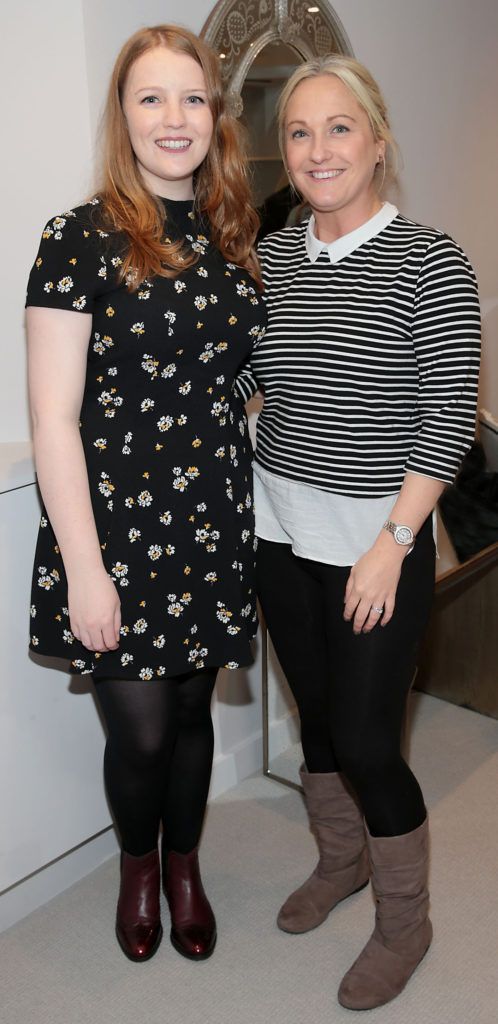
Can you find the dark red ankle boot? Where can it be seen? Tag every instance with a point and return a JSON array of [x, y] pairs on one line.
[[138, 922], [193, 925]]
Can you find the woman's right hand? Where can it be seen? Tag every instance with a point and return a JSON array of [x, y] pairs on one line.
[[94, 610]]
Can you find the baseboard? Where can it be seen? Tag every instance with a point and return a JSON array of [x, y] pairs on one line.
[[40, 887], [228, 770], [283, 733], [237, 764], [247, 757]]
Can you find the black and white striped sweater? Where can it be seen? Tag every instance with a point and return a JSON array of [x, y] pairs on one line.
[[369, 365]]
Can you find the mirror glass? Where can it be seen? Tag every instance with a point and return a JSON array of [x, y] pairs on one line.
[[265, 78]]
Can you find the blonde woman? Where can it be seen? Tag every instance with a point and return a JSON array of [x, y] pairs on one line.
[[369, 370], [142, 304]]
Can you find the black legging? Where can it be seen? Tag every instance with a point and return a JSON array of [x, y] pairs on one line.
[[350, 689], [158, 757]]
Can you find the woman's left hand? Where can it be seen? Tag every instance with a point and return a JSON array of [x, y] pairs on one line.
[[372, 583]]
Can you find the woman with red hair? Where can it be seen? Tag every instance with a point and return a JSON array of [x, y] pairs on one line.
[[143, 304]]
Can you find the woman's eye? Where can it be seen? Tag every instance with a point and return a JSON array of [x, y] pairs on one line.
[[299, 133], [195, 99], [150, 99], [340, 129]]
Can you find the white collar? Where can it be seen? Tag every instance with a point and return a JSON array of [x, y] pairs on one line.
[[345, 245]]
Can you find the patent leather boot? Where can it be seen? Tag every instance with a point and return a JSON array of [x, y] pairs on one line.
[[193, 925], [138, 922]]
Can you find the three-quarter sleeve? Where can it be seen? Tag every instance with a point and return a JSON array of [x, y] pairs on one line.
[[446, 339], [245, 384], [71, 269]]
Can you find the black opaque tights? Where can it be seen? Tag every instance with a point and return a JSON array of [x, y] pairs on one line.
[[350, 690], [158, 757]]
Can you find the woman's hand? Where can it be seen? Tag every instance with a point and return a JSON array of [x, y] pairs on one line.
[[371, 588], [94, 610], [373, 580]]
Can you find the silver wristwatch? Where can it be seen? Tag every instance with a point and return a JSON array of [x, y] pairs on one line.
[[402, 534]]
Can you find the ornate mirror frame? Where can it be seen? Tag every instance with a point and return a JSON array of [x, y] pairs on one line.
[[239, 29]]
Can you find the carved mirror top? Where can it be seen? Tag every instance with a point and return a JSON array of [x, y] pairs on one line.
[[239, 29]]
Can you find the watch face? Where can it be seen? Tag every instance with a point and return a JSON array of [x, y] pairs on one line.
[[403, 535]]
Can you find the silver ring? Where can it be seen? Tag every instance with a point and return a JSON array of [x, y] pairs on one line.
[[377, 610]]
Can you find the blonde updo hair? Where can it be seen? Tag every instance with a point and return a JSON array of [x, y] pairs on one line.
[[365, 90]]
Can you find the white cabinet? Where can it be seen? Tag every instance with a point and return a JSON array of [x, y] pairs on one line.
[[51, 740]]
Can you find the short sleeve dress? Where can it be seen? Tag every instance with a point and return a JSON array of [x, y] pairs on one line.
[[166, 447]]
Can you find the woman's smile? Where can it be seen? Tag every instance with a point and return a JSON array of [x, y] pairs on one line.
[[325, 175]]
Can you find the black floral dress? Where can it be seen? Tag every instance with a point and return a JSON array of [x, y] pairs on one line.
[[167, 451]]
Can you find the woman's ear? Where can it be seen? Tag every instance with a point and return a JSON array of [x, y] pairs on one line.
[[381, 155]]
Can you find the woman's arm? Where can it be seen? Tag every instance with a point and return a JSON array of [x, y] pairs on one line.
[[446, 336], [245, 383], [57, 351], [446, 343], [373, 580]]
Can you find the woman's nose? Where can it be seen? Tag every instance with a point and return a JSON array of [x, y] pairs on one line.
[[173, 114], [320, 148]]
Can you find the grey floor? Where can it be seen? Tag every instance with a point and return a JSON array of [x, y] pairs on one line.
[[62, 965]]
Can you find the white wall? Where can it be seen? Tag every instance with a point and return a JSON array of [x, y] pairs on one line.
[[437, 64], [45, 162]]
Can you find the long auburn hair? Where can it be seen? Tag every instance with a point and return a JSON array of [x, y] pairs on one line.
[[221, 184]]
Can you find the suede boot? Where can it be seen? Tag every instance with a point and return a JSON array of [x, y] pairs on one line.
[[193, 925], [138, 922], [403, 931], [342, 869]]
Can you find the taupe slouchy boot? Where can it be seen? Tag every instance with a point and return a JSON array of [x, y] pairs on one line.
[[342, 869], [403, 931]]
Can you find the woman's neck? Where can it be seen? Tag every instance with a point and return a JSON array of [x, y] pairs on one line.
[[333, 224]]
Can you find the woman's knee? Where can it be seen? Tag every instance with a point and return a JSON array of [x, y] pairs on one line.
[[367, 766], [143, 749], [194, 700]]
